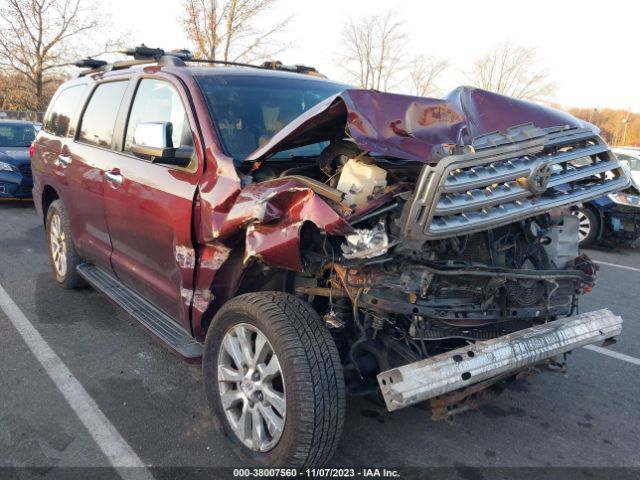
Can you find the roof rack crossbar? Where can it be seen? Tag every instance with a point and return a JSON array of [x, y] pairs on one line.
[[223, 62], [143, 55]]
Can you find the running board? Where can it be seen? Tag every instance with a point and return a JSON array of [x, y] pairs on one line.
[[463, 367], [155, 321]]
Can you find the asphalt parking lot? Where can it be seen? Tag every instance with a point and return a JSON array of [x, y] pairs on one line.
[[156, 403]]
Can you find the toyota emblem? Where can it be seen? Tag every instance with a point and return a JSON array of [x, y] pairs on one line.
[[539, 179]]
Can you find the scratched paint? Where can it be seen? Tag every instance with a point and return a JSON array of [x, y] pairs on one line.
[[185, 256], [186, 294], [218, 256], [202, 299]]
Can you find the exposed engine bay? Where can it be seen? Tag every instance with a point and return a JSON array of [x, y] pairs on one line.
[[389, 305], [437, 254]]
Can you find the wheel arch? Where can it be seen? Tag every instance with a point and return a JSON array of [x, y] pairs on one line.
[[237, 278], [600, 215], [49, 195]]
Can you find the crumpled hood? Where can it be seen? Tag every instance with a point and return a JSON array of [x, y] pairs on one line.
[[409, 127]]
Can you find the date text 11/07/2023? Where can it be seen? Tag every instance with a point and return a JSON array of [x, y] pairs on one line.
[[315, 473]]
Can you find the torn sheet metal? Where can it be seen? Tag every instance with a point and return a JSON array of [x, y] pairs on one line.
[[202, 299], [212, 258], [185, 256], [186, 294], [425, 379], [276, 241], [272, 214], [409, 127], [268, 217], [276, 199]]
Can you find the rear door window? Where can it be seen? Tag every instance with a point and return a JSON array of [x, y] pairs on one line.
[[99, 119], [158, 101], [61, 118]]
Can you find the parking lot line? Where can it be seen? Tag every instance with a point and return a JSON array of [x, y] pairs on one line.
[[611, 353], [120, 455], [624, 267]]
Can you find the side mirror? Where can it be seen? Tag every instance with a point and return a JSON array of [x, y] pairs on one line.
[[152, 141]]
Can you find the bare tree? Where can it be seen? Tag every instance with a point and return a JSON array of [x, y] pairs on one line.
[[511, 70], [374, 50], [226, 29], [15, 94], [424, 74], [34, 40]]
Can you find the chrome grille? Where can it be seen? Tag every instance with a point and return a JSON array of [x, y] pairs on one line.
[[491, 184]]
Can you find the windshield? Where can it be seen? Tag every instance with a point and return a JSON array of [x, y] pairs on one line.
[[633, 162], [17, 135], [248, 111]]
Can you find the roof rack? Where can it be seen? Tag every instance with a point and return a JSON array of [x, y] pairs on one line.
[[275, 65], [143, 55]]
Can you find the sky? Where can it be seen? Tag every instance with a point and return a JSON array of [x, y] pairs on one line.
[[587, 47]]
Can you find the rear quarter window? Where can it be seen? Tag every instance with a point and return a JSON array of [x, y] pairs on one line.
[[62, 114], [99, 118]]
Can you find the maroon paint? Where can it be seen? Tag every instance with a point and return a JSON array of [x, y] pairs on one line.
[[409, 127], [288, 205], [152, 217], [79, 185], [149, 218], [211, 258]]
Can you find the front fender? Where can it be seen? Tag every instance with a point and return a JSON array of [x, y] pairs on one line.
[[272, 214], [263, 221]]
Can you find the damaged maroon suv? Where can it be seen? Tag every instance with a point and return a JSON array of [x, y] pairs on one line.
[[307, 240]]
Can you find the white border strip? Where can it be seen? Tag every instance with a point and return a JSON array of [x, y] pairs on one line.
[[612, 354], [117, 450], [624, 267]]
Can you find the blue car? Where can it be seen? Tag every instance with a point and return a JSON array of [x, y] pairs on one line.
[[613, 217], [15, 164]]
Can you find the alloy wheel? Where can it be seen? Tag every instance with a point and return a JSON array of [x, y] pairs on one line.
[[251, 387], [58, 245], [584, 225]]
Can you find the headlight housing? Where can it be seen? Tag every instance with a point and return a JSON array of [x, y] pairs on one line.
[[7, 167], [621, 198]]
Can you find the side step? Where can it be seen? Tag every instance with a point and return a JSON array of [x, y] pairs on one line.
[[155, 321]]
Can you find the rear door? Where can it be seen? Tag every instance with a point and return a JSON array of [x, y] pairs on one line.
[[149, 206], [84, 162]]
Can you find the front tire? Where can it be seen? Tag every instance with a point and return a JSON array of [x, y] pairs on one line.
[[62, 252], [274, 381]]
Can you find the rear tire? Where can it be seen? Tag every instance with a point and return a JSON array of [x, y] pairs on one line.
[[309, 387], [62, 253], [588, 226]]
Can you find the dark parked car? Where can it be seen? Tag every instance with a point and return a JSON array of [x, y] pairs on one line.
[[16, 137], [616, 216], [306, 240]]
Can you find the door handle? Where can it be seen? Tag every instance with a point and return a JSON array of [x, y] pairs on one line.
[[65, 160], [114, 176]]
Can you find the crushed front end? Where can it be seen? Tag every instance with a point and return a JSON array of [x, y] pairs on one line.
[[435, 237], [477, 259]]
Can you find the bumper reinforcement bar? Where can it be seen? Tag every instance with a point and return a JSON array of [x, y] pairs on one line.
[[428, 378]]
